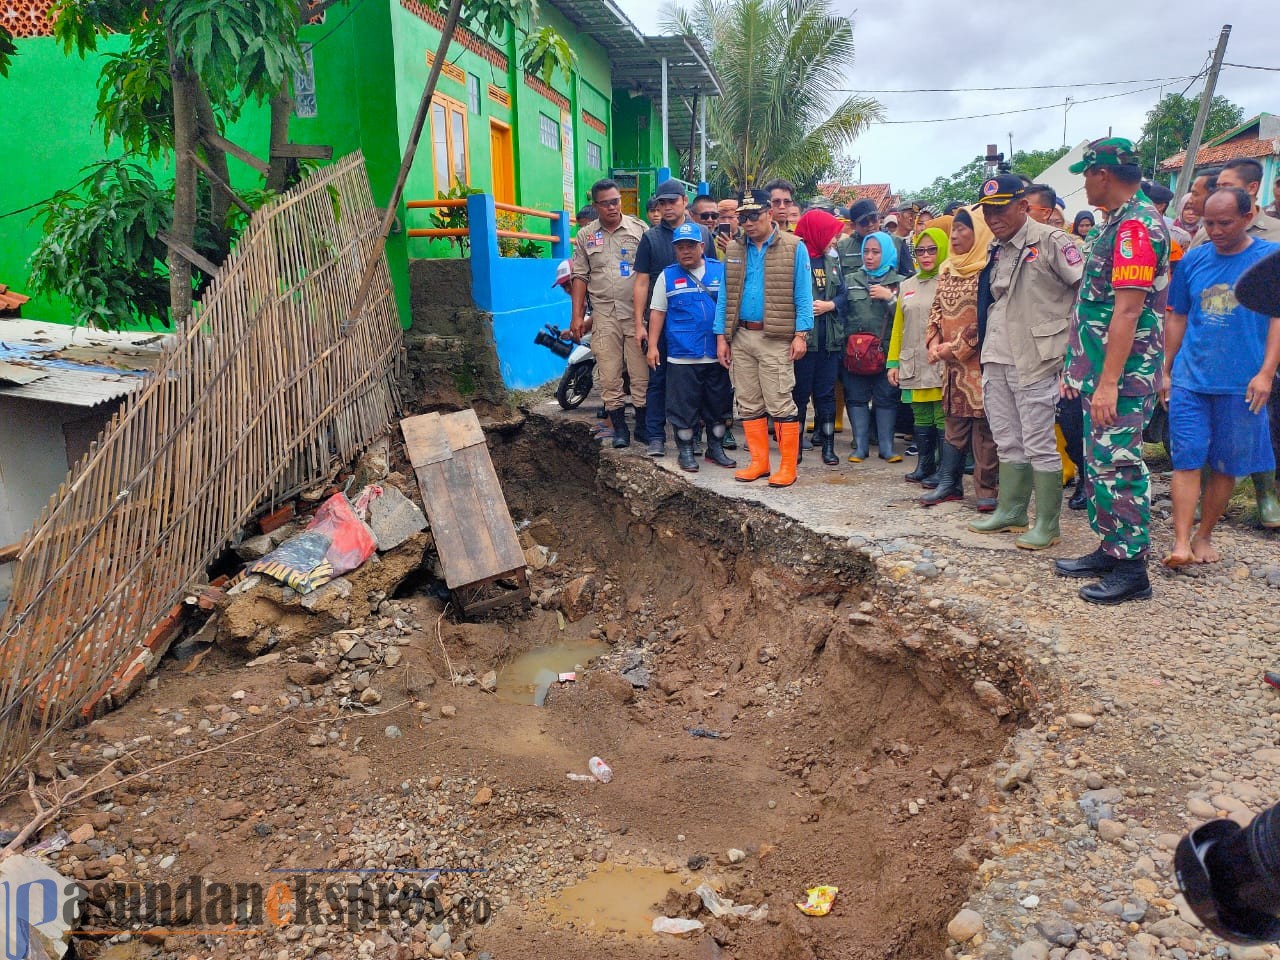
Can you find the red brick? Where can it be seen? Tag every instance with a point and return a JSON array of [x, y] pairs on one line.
[[277, 518]]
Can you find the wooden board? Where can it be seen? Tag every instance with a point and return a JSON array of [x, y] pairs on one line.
[[470, 522]]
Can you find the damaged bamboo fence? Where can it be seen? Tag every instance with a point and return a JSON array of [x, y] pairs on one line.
[[261, 395]]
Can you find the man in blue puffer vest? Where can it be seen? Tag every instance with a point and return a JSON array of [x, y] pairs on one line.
[[698, 387]]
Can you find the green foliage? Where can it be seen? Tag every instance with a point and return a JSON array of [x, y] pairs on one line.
[[491, 17], [964, 184], [240, 50], [545, 52], [8, 50], [100, 249], [777, 61], [454, 218], [1167, 129], [135, 94]]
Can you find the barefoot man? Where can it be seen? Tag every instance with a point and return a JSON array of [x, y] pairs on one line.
[[1220, 363]]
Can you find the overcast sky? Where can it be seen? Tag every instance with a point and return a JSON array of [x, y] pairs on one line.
[[906, 45]]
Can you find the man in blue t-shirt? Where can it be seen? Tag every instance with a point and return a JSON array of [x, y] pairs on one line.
[[1220, 362]]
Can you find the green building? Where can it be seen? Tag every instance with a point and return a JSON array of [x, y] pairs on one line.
[[631, 105]]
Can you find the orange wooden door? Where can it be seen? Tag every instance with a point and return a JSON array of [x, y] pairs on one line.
[[504, 181]]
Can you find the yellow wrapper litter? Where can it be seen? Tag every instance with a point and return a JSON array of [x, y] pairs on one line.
[[819, 902]]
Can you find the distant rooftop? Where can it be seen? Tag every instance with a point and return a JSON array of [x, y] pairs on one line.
[[57, 363]]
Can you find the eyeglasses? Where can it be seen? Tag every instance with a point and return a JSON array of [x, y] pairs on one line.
[[709, 216], [616, 201], [869, 219], [751, 216], [926, 251], [779, 202]]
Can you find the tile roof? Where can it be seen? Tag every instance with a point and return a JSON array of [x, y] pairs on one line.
[[1248, 147], [881, 194], [11, 299]]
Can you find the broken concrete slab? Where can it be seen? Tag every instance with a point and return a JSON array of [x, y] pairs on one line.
[[59, 902], [394, 518], [255, 548]]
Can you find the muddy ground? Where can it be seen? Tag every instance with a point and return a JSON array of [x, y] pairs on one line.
[[858, 752]]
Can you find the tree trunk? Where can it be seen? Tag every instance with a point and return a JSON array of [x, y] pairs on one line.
[[185, 95], [219, 201], [281, 167]]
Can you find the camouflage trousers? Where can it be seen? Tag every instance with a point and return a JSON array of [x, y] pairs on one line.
[[1119, 484]]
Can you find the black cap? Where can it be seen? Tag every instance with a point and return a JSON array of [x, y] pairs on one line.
[[1001, 189], [750, 200], [670, 190], [1157, 192], [862, 209], [1259, 288]]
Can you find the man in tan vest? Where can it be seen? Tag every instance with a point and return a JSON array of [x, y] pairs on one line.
[[761, 320]]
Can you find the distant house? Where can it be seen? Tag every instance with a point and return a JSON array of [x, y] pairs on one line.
[[1258, 139], [881, 194]]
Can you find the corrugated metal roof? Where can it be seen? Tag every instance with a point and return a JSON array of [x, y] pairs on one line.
[[79, 367]]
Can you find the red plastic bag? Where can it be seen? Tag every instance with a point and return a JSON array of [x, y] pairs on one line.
[[335, 542]]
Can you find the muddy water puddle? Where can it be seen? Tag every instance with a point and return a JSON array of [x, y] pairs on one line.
[[529, 677], [615, 898]]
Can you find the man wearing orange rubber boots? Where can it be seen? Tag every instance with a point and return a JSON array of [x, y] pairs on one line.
[[761, 320]]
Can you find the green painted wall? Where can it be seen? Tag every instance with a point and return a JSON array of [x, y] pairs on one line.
[[357, 103], [370, 68], [50, 147]]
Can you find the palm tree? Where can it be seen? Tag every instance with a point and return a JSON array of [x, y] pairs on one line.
[[780, 63]]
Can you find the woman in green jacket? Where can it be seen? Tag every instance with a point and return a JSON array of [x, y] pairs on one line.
[[873, 296]]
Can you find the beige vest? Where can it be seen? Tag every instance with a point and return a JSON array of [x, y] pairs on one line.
[[779, 286], [915, 372]]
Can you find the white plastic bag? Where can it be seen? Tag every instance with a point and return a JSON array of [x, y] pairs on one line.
[[676, 926]]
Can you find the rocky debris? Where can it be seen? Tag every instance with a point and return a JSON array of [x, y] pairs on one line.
[[255, 548], [577, 597], [991, 698], [259, 613], [394, 518], [965, 925]]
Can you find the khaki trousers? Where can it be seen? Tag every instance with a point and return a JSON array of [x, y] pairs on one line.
[[614, 344], [763, 376], [1022, 417]]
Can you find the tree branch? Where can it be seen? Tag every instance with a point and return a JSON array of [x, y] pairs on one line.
[[222, 185]]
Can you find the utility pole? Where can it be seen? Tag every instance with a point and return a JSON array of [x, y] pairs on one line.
[[1202, 115]]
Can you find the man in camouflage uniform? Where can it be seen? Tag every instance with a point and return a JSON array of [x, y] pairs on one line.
[[1113, 363]]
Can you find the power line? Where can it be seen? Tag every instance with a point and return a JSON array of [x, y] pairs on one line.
[[1250, 66], [1038, 86], [1004, 113]]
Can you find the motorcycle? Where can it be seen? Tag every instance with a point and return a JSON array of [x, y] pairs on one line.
[[575, 384]]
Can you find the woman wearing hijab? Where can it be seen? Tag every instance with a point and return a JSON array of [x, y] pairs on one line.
[[1082, 224], [816, 371], [908, 358], [873, 294], [1187, 218], [952, 341]]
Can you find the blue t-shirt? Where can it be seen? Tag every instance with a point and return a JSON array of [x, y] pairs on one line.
[[1223, 347]]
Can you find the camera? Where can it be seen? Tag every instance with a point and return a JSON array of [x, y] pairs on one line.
[[1230, 876], [553, 339]]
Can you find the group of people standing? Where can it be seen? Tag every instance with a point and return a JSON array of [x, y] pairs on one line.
[[1012, 337]]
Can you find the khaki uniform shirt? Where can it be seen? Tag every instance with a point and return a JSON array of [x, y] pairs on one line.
[[1034, 277], [606, 261]]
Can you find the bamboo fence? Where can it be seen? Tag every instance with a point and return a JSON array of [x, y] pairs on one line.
[[261, 395]]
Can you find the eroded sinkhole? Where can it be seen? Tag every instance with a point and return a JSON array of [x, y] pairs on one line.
[[848, 759], [852, 756]]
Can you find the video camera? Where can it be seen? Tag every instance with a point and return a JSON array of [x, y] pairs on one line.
[[1230, 876], [555, 340], [995, 161]]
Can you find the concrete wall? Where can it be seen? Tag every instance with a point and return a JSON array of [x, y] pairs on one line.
[[521, 296], [38, 444]]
